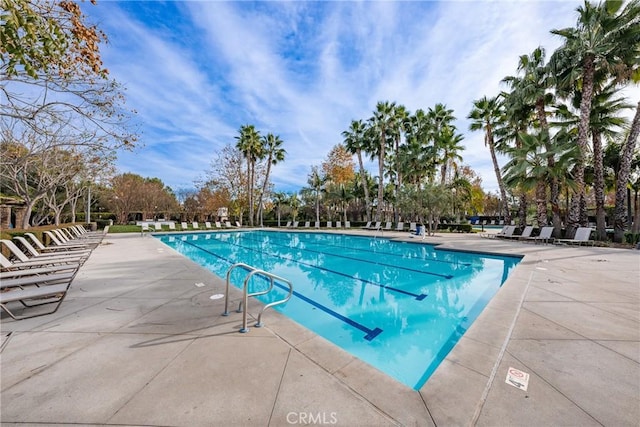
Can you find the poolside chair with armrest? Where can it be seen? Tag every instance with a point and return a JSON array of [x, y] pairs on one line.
[[295, 224], [40, 247], [387, 226], [347, 224], [368, 226], [376, 226], [581, 237], [400, 226]]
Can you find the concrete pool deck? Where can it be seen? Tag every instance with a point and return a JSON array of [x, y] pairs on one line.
[[137, 342]]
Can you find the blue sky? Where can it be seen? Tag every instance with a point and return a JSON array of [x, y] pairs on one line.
[[195, 71]]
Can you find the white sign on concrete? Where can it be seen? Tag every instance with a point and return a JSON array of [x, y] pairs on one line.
[[517, 378]]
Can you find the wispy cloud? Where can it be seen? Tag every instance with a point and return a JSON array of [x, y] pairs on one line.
[[197, 71]]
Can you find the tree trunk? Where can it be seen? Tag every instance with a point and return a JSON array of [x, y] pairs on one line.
[[620, 223], [554, 187], [522, 210], [598, 184], [365, 188], [380, 179], [541, 203], [577, 215], [496, 168]]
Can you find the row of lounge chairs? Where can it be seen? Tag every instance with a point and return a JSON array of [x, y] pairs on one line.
[[318, 224], [36, 275], [582, 235], [184, 226]]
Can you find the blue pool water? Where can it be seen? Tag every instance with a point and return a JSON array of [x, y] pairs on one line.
[[398, 306]]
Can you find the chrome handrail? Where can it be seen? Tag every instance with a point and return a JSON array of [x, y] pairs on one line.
[[245, 294]]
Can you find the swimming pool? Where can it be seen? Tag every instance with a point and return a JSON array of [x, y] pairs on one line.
[[399, 306]]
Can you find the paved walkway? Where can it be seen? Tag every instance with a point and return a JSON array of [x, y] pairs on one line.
[[136, 342]]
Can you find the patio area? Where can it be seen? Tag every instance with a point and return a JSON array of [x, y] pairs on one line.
[[139, 341]]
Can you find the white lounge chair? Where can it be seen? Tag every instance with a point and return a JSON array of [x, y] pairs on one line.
[[307, 224], [288, 224], [507, 232], [338, 224], [184, 226], [387, 226], [195, 224], [400, 226], [172, 226], [328, 224], [347, 224], [412, 226], [368, 226], [207, 225], [316, 224], [526, 233]]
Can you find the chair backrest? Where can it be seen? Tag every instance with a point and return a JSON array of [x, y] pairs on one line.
[[157, 226], [14, 250], [172, 226], [400, 226], [218, 225], [195, 224], [307, 224], [368, 225], [347, 224], [338, 224], [546, 232], [412, 226], [295, 224], [527, 231], [35, 240], [184, 225], [53, 238], [238, 224], [316, 224], [388, 225], [288, 224], [207, 224], [377, 225], [227, 224], [27, 245], [582, 234], [328, 224]]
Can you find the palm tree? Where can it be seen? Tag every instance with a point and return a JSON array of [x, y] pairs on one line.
[[316, 181], [448, 142], [279, 199], [623, 178], [487, 115], [534, 87], [355, 142], [604, 36], [382, 126], [272, 147], [251, 147]]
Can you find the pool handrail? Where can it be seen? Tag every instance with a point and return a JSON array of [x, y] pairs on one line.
[[245, 294]]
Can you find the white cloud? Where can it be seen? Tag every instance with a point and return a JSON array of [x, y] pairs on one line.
[[304, 70]]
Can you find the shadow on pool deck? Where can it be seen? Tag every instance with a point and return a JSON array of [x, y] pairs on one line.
[[136, 342]]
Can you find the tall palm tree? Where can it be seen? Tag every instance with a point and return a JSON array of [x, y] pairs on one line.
[[382, 126], [272, 147], [623, 178], [355, 142], [279, 199], [604, 35], [400, 118], [448, 142], [487, 115], [249, 143], [316, 181], [535, 86]]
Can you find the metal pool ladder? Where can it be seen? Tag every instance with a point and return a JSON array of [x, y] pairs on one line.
[[245, 293]]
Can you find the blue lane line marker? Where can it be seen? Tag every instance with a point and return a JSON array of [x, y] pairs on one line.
[[371, 333], [446, 276], [418, 297], [466, 264]]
